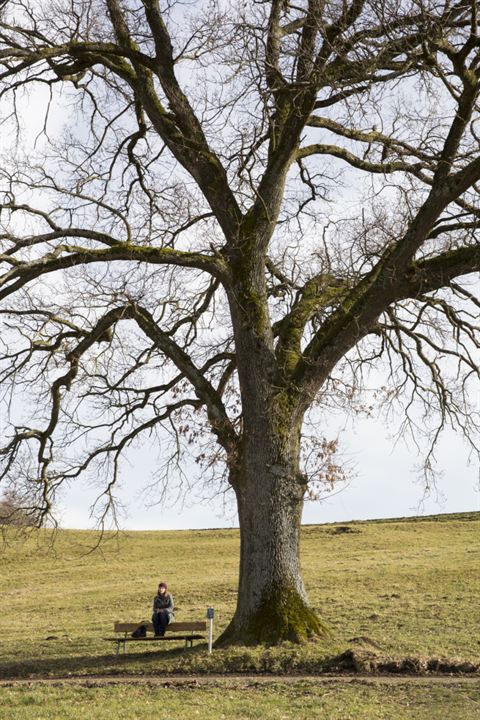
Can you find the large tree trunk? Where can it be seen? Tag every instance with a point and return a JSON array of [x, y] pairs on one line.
[[272, 604]]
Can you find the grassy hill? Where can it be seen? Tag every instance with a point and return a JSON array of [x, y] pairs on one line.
[[405, 589]]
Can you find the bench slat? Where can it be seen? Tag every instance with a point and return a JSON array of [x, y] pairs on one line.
[[153, 638], [129, 627]]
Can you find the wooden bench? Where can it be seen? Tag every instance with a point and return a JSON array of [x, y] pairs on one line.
[[187, 631]]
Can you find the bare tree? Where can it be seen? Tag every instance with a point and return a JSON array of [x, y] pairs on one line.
[[16, 510], [243, 211]]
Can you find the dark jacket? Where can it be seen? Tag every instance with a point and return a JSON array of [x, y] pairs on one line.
[[163, 602]]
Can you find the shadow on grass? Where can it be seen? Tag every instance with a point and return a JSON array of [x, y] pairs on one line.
[[187, 661], [108, 664]]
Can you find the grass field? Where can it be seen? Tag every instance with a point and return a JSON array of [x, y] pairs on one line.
[[396, 589], [245, 701]]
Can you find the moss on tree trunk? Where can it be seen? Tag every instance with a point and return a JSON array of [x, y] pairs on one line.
[[282, 616]]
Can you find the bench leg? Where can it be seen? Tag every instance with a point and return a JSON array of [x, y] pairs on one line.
[[117, 649]]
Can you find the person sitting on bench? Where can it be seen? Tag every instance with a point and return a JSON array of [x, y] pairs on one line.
[[162, 610]]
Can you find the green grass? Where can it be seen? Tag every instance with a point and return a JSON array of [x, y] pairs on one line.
[[297, 701], [410, 587], [406, 588]]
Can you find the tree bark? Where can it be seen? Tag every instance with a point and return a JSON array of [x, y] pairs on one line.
[[272, 604]]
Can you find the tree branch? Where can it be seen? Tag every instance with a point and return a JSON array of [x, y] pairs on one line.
[[219, 420], [65, 256]]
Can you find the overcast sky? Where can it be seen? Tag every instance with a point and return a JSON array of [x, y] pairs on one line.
[[383, 483]]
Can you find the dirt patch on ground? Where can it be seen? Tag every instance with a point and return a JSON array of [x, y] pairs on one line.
[[343, 530], [368, 662], [242, 681]]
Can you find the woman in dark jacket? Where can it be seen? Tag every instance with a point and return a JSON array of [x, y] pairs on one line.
[[162, 610]]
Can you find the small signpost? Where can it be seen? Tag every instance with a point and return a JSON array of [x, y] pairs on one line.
[[210, 614]]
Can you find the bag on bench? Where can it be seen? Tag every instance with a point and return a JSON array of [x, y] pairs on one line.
[[141, 631]]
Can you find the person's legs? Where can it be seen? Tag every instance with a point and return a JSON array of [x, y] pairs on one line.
[[163, 620], [156, 623]]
